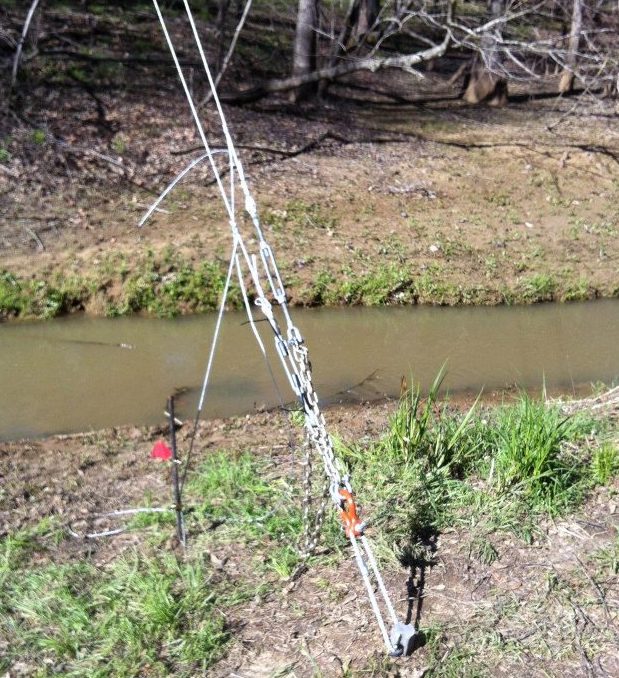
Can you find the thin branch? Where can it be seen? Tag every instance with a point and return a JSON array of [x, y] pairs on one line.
[[228, 56], [20, 44]]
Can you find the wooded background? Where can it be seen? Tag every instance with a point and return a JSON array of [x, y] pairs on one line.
[[264, 47]]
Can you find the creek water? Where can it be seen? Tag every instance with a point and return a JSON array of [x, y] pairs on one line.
[[82, 373]]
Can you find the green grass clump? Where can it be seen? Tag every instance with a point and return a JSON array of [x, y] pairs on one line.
[[605, 463], [536, 288], [240, 497], [149, 612], [163, 286], [495, 470], [528, 439], [42, 298], [144, 614], [378, 286], [167, 288]]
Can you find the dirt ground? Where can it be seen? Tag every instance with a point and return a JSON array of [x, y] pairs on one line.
[[541, 609], [479, 205]]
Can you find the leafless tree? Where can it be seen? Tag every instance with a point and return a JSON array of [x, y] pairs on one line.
[[566, 84], [517, 40], [304, 57], [22, 39]]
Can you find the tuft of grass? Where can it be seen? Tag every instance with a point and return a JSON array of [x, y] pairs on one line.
[[529, 437], [42, 298], [580, 290], [605, 463], [538, 287], [169, 287], [144, 614], [491, 471], [163, 286], [379, 286], [607, 559], [237, 495]]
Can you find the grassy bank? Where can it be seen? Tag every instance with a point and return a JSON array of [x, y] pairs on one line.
[[167, 285], [491, 481]]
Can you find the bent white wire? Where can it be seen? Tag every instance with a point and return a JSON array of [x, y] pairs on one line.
[[170, 186]]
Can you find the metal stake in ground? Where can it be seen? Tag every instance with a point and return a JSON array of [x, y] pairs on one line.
[[180, 527]]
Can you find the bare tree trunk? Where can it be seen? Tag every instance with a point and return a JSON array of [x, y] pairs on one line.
[[485, 84], [222, 13], [368, 12], [304, 55], [566, 84]]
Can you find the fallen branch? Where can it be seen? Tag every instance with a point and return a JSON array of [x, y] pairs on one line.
[[372, 64], [293, 153]]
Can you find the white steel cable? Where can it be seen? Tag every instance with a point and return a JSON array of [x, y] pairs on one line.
[[370, 591], [172, 184], [292, 350], [250, 204], [222, 308], [379, 579], [194, 111]]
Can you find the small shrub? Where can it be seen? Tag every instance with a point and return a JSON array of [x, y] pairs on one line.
[[539, 287]]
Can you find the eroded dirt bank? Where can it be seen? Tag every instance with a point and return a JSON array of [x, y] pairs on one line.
[[435, 203]]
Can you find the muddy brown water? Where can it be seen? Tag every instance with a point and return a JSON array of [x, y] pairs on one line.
[[83, 373]]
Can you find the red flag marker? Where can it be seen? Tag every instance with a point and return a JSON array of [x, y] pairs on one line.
[[161, 451]]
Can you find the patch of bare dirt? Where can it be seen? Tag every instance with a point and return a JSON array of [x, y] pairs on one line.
[[547, 608]]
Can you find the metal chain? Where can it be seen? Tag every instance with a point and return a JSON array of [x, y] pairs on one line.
[[292, 352], [312, 526]]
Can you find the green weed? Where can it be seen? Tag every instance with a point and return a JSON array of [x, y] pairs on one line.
[[40, 298], [38, 137], [538, 287], [529, 457], [163, 285], [385, 284], [605, 463], [236, 495], [490, 471], [607, 559], [173, 287], [578, 291], [379, 286]]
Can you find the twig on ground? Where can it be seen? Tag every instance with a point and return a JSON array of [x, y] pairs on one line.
[[601, 597]]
